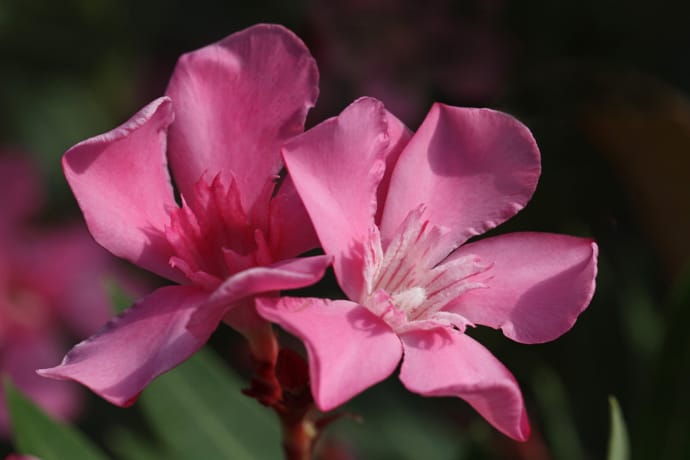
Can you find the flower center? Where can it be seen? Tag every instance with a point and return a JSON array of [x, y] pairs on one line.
[[409, 299], [405, 287], [212, 236]]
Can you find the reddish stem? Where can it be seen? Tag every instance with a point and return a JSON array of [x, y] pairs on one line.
[[283, 385], [298, 437]]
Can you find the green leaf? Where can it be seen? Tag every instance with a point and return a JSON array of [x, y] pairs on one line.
[[127, 444], [661, 430], [559, 426], [619, 444], [198, 411], [35, 433], [397, 425]]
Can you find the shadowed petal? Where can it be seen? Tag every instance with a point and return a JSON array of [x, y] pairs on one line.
[[336, 167], [287, 274], [135, 347], [399, 135], [349, 348], [445, 362], [291, 232], [236, 102], [123, 188], [537, 284], [471, 168]]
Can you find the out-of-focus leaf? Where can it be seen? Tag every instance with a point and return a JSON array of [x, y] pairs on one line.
[[198, 411], [128, 445], [661, 431], [619, 443], [119, 299], [35, 433], [62, 112], [392, 428], [643, 321], [559, 426]]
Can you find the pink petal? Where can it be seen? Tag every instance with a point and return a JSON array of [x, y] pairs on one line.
[[236, 102], [291, 231], [145, 341], [471, 168], [287, 274], [349, 348], [399, 136], [537, 284], [123, 188], [336, 167], [445, 362]]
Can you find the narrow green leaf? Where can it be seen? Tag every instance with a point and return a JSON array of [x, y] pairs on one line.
[[559, 426], [127, 444], [35, 433], [619, 444], [198, 411]]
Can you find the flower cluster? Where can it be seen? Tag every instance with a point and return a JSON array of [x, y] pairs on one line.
[[393, 211], [51, 289]]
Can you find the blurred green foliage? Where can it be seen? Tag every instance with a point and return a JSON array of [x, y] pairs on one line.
[[37, 434], [194, 411], [619, 442], [204, 395]]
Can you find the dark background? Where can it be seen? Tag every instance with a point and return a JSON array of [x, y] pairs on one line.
[[602, 84]]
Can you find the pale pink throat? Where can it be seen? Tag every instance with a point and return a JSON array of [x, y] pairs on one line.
[[402, 285]]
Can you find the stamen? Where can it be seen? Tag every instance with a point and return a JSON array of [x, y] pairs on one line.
[[403, 287], [409, 299]]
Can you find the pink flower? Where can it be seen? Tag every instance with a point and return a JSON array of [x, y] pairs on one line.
[[228, 109], [51, 288], [395, 210]]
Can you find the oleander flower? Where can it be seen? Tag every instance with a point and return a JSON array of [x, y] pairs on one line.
[[395, 210], [239, 229], [51, 289]]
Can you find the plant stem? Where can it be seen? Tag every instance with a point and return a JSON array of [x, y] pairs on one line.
[[281, 382], [298, 437]]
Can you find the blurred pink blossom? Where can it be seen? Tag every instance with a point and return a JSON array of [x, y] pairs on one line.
[[396, 209], [51, 289], [227, 110]]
